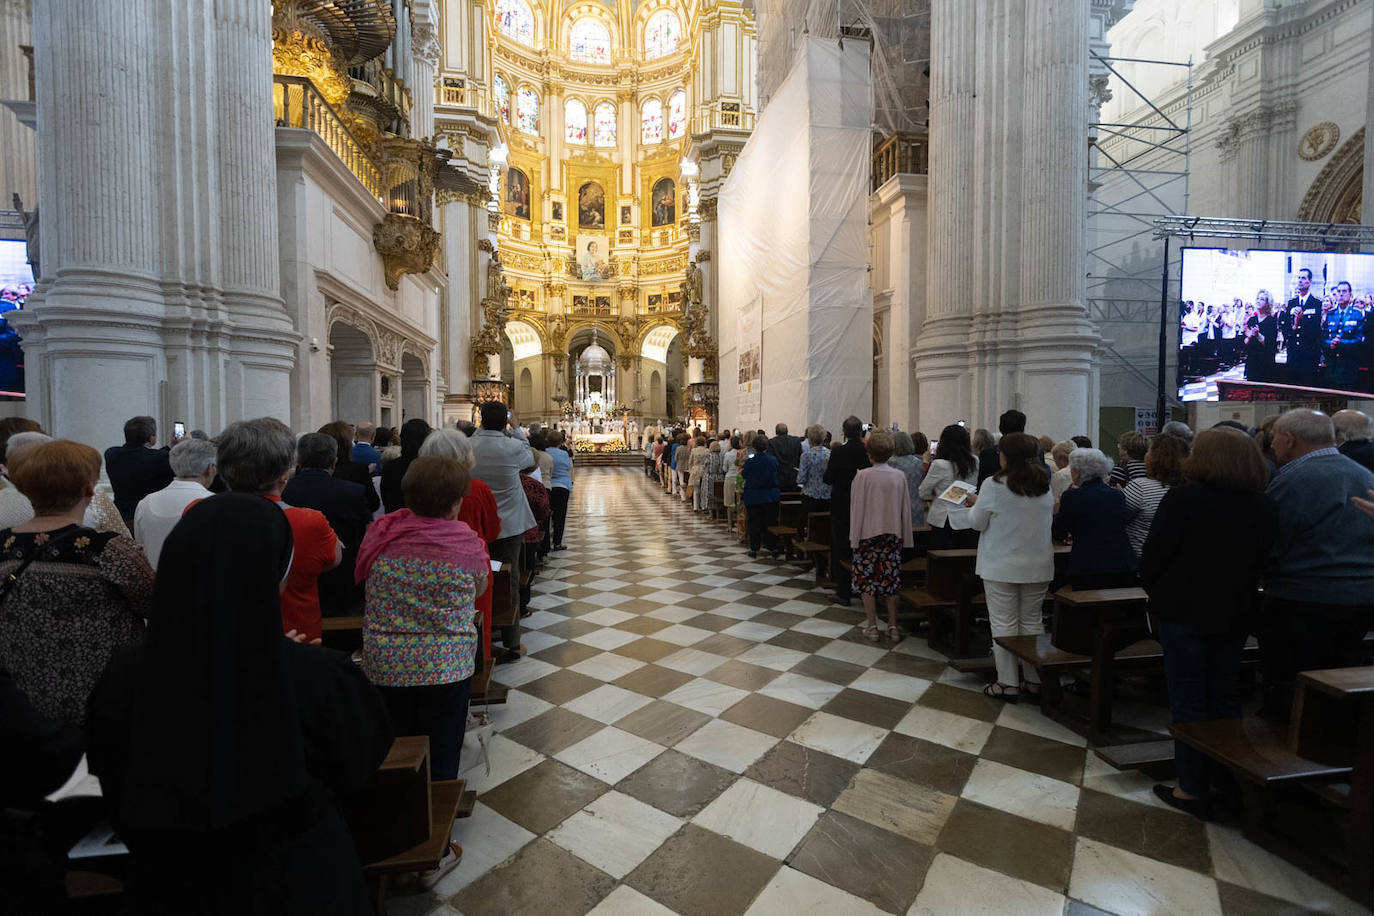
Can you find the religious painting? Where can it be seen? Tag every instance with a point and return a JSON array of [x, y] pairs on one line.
[[580, 304], [558, 211], [517, 193], [625, 214], [526, 297], [591, 206], [750, 377], [593, 257], [603, 305], [664, 202], [655, 301], [675, 300]]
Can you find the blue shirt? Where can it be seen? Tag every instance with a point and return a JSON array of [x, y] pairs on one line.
[[760, 475], [364, 453], [562, 468], [812, 470]]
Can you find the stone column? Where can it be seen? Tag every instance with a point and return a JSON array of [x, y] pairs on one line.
[[1367, 206], [460, 219], [904, 198], [941, 354], [18, 174], [425, 50]]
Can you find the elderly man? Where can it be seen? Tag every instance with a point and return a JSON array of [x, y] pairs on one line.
[[344, 505], [500, 459], [1318, 586], [1352, 436], [138, 467], [256, 456], [193, 463], [364, 452], [788, 450]]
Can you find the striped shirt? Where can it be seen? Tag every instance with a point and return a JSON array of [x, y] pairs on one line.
[[1143, 495]]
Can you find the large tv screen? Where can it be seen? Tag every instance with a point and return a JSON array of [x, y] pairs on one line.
[[1275, 325], [16, 283]]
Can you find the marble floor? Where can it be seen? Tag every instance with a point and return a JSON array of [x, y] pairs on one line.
[[694, 732]]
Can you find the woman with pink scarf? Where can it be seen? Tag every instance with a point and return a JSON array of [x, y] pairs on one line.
[[424, 569]]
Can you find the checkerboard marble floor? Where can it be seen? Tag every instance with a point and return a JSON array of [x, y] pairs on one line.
[[695, 732]]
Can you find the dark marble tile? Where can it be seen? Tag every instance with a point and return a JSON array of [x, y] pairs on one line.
[[542, 878], [884, 712], [742, 675], [1241, 901], [1039, 755], [764, 601], [831, 670], [713, 622], [647, 649], [1168, 836], [910, 665], [544, 796], [961, 702], [802, 642], [639, 605], [885, 869], [923, 762], [561, 686], [698, 603], [838, 613], [797, 770], [567, 654], [634, 591], [553, 730], [662, 722], [676, 783], [578, 592], [644, 626], [1013, 845], [570, 628], [697, 871], [725, 645], [766, 714], [653, 680], [778, 619], [1079, 908]]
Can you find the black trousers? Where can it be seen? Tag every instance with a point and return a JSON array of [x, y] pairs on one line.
[[558, 501], [759, 518], [1201, 671], [437, 710], [1306, 636], [511, 552]]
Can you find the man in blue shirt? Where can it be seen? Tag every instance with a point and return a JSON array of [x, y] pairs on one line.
[[1343, 330], [363, 451]]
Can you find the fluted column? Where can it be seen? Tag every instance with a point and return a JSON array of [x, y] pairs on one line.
[[460, 218], [424, 50], [1367, 206], [18, 174]]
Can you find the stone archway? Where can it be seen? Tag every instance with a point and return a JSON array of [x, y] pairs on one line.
[[353, 373], [1336, 194], [415, 394]]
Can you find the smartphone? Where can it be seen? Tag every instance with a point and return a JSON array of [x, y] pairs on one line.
[[178, 430]]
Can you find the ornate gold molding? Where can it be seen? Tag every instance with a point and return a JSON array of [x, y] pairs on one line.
[[703, 256], [706, 209], [406, 244]]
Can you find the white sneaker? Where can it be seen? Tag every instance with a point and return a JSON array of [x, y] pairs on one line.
[[447, 864]]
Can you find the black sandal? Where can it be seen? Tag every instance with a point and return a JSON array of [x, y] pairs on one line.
[[999, 691]]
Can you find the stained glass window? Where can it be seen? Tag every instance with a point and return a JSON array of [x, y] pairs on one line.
[[677, 115], [590, 42], [501, 92], [662, 34], [604, 129], [514, 18], [651, 121], [575, 121], [527, 110]]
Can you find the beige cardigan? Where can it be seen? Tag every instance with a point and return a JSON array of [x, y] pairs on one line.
[[879, 503]]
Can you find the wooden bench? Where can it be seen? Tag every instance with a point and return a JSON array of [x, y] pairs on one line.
[[814, 544], [788, 528]]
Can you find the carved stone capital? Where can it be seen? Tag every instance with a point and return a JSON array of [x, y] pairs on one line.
[[706, 208], [703, 255], [406, 244]]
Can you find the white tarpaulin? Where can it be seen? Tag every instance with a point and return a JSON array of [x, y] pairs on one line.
[[794, 234]]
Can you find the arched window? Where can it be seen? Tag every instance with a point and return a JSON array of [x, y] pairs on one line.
[[501, 92], [527, 110], [677, 115], [515, 19], [651, 121], [604, 129], [575, 121], [662, 34], [590, 42]]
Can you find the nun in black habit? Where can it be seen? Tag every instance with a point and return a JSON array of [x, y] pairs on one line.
[[221, 745]]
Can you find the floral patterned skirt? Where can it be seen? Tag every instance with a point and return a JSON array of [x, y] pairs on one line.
[[878, 565]]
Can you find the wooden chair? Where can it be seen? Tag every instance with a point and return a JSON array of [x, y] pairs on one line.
[[788, 527], [815, 543]]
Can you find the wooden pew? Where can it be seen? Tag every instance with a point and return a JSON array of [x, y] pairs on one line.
[[815, 542], [788, 527]]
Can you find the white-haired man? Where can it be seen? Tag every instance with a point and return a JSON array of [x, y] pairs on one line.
[[193, 463]]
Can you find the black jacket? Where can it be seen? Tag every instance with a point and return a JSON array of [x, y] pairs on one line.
[[347, 512], [1202, 560], [1096, 516], [845, 461], [357, 472], [989, 463], [135, 471], [1361, 451], [788, 451]]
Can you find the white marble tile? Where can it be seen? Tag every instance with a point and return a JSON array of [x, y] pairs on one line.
[[794, 893], [663, 582], [760, 817], [670, 596], [955, 886], [810, 692], [607, 584], [918, 647], [488, 839], [1238, 861], [852, 652], [606, 639], [606, 617], [726, 744], [800, 608], [548, 602], [549, 586], [974, 683], [738, 611], [723, 593], [537, 641], [1127, 884], [506, 758], [890, 684], [958, 732], [605, 599], [1028, 718], [540, 619], [607, 666], [674, 613], [706, 696], [522, 672], [691, 661], [682, 635], [626, 901], [841, 737], [1134, 785], [782, 591], [776, 657], [610, 755], [715, 581], [765, 578], [607, 703], [519, 707], [615, 833], [827, 628], [748, 629], [1023, 793]]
